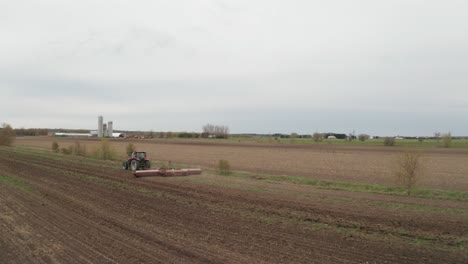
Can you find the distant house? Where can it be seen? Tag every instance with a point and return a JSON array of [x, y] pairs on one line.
[[331, 137]]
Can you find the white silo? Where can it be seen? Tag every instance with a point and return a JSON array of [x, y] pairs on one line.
[[104, 130], [100, 127], [110, 129]]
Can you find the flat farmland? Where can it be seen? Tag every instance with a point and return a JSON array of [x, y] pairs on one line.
[[445, 169], [57, 208]]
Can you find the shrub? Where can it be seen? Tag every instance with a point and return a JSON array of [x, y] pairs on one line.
[[317, 137], [67, 151], [78, 149], [363, 137], [389, 141], [130, 148], [55, 147], [104, 151], [447, 140], [409, 169], [7, 135], [293, 137], [223, 168]]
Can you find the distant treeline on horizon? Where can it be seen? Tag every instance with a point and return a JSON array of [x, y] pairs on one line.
[[151, 134]]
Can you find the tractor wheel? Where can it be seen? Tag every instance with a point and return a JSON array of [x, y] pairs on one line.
[[147, 164], [135, 165], [125, 165]]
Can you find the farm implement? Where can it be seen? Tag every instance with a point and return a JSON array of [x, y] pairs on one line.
[[167, 172], [140, 165]]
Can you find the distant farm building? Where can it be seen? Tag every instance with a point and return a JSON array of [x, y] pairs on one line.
[[73, 134], [60, 134], [118, 135]]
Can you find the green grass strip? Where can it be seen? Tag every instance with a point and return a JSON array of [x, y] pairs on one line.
[[357, 187], [14, 182]]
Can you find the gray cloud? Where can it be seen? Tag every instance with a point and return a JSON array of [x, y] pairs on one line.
[[396, 67]]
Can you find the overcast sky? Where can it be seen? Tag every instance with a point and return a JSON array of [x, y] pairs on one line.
[[263, 66]]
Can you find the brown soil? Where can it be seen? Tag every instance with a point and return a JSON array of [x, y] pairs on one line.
[[73, 210], [444, 168]]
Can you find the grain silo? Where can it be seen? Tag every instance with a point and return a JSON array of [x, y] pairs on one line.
[[104, 130], [110, 129], [100, 127]]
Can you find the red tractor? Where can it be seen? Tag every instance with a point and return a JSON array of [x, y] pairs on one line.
[[137, 161]]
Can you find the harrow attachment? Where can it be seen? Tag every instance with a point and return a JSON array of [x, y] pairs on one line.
[[167, 172]]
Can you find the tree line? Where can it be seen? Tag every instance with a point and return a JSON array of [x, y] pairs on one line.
[[215, 131], [31, 132]]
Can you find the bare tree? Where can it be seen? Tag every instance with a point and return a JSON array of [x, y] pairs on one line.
[[208, 130], [216, 131], [409, 169]]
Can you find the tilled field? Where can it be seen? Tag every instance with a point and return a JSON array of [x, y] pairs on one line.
[[65, 209], [445, 169]]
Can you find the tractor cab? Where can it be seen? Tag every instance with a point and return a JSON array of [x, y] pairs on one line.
[[137, 161], [138, 155]]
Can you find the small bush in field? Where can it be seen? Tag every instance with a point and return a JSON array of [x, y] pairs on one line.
[[7, 135], [363, 137], [447, 140], [389, 141], [317, 137], [409, 169], [55, 147], [67, 151], [223, 168], [78, 149], [105, 151]]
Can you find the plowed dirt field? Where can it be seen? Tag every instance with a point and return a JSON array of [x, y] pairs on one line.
[[445, 169], [66, 209]]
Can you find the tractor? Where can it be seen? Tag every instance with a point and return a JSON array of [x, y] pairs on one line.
[[140, 165], [137, 161]]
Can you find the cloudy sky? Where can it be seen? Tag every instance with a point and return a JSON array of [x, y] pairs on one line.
[[261, 66]]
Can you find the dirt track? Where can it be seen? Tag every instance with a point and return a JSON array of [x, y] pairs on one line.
[[76, 211]]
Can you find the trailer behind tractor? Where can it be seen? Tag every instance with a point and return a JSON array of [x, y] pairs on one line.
[[140, 165]]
